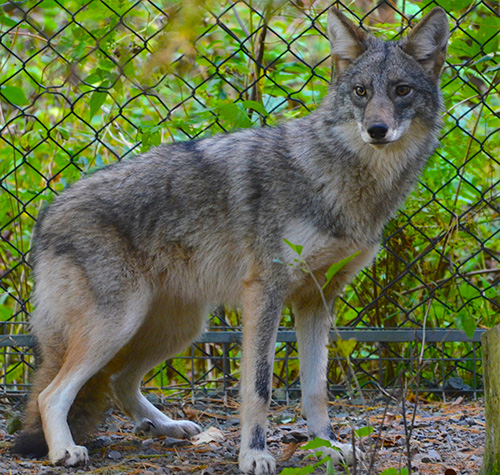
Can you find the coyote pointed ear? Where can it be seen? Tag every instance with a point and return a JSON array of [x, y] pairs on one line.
[[428, 41], [346, 40]]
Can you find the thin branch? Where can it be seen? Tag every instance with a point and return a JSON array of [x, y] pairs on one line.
[[23, 33], [447, 279]]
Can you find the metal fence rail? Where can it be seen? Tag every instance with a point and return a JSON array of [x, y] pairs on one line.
[[218, 373], [86, 83]]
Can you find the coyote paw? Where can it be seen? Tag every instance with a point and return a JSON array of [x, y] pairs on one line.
[[257, 462], [176, 429], [70, 456]]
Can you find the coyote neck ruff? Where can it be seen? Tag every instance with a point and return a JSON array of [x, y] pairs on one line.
[[128, 260]]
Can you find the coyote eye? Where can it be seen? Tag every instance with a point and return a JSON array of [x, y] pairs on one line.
[[360, 91], [403, 90]]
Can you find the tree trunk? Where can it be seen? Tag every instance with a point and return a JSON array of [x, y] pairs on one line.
[[491, 370]]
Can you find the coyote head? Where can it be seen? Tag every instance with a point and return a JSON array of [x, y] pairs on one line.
[[386, 86]]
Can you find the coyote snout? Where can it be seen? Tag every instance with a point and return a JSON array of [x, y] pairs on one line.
[[382, 132], [386, 119]]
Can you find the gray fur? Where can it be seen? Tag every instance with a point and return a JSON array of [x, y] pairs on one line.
[[128, 260]]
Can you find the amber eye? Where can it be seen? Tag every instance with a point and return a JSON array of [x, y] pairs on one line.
[[360, 91], [403, 90]]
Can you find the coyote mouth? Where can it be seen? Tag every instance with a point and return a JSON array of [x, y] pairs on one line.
[[379, 144]]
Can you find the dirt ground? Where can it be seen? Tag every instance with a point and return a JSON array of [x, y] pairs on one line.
[[446, 438]]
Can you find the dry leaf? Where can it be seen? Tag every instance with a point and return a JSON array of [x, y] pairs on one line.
[[456, 402], [212, 434], [288, 451], [388, 418], [190, 413]]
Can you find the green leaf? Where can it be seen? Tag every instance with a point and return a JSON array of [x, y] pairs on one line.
[[236, 114], [96, 101], [364, 431], [492, 68], [453, 5], [298, 471], [486, 57], [345, 347], [395, 471], [14, 95], [296, 247], [465, 322], [5, 21], [150, 137], [338, 266], [316, 444], [256, 106], [330, 469]]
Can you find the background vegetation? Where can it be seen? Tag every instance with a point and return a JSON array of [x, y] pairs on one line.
[[86, 83]]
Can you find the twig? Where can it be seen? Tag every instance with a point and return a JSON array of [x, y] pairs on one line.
[[407, 432], [23, 33], [441, 281], [421, 357], [238, 19]]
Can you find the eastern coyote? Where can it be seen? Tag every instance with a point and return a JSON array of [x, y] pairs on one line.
[[128, 261]]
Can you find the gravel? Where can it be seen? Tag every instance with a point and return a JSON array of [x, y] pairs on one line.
[[445, 438]]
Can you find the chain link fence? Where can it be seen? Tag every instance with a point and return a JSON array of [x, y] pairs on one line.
[[86, 83]]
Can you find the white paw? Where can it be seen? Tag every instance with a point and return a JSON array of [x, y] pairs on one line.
[[257, 462], [70, 456], [176, 429], [343, 453]]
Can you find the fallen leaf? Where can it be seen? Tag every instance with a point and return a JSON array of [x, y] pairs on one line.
[[388, 419], [212, 434], [288, 451], [190, 413], [456, 402]]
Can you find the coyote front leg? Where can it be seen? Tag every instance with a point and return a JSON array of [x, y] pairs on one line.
[[262, 307], [313, 325]]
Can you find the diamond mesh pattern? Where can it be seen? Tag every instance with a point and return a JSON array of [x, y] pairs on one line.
[[86, 83]]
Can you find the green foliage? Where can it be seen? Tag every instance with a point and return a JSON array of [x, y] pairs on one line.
[[395, 471], [338, 266], [295, 247], [364, 431], [314, 444]]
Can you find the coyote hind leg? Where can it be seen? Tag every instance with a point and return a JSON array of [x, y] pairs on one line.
[[149, 420], [90, 347], [168, 329]]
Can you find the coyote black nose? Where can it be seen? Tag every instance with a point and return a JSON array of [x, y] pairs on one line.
[[378, 131]]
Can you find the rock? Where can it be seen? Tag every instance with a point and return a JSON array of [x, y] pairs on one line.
[[171, 442], [147, 443], [115, 455], [14, 422], [432, 456], [294, 436]]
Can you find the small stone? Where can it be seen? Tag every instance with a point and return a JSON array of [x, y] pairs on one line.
[[147, 443], [114, 455], [151, 451], [294, 436], [171, 442], [432, 456]]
